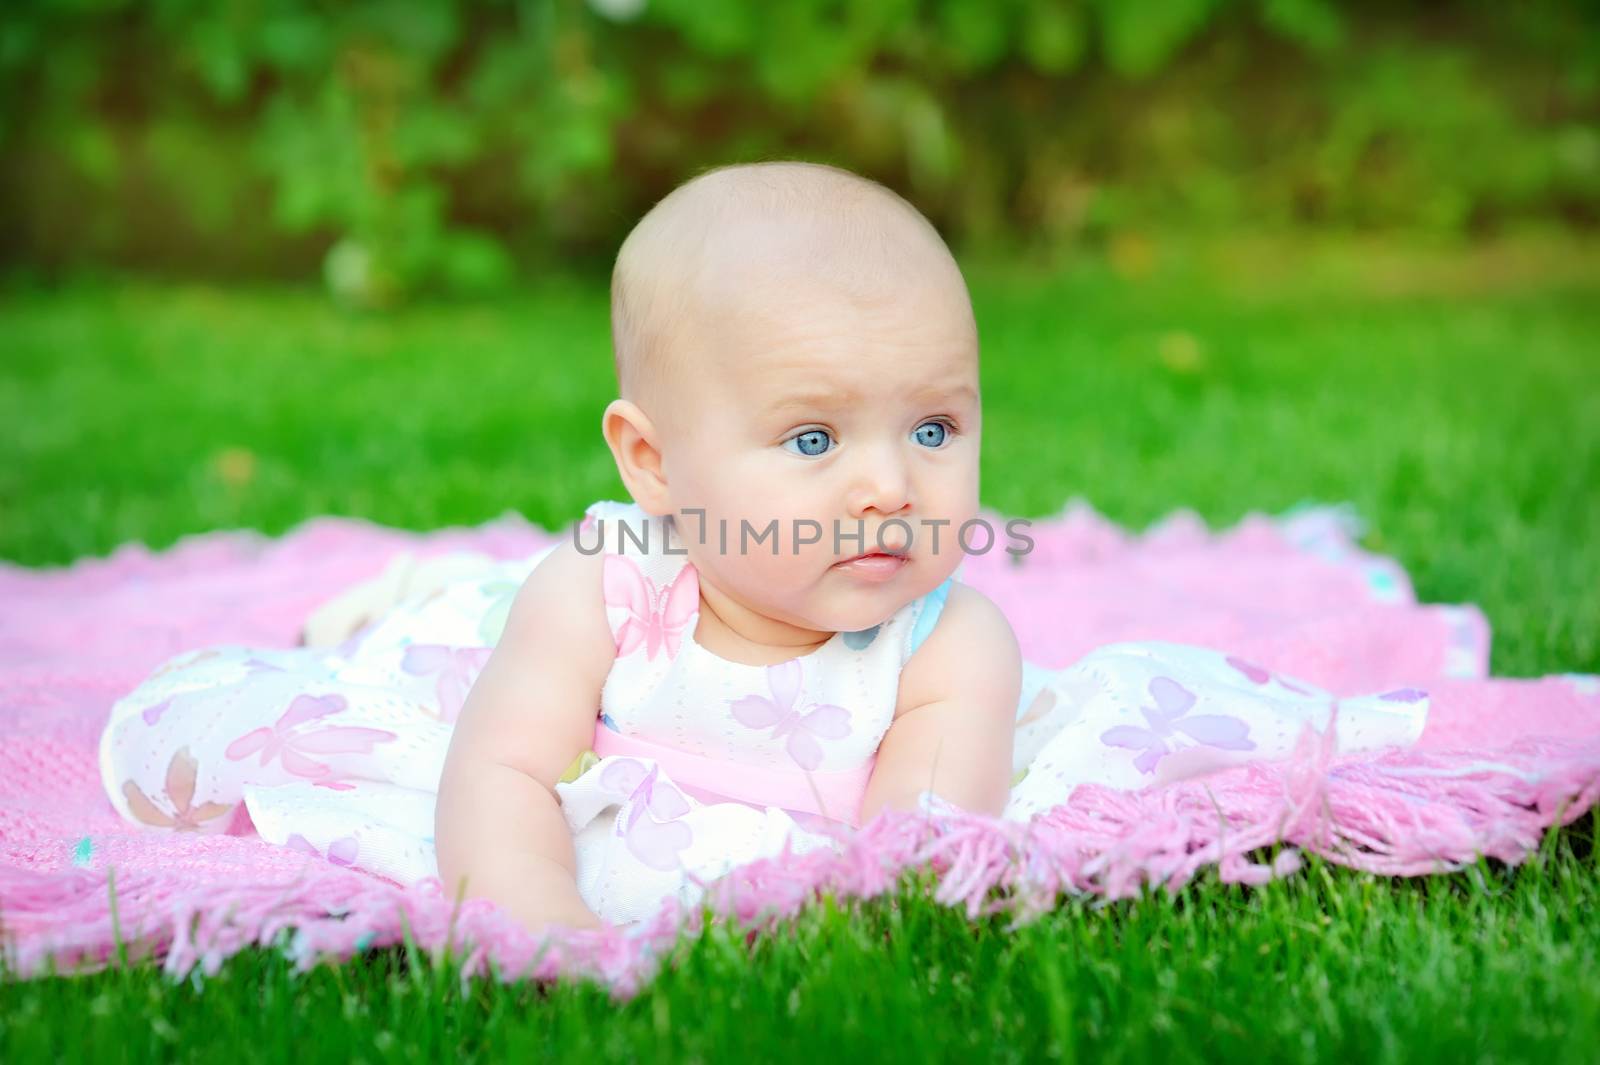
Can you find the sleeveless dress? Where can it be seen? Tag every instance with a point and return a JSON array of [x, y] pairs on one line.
[[714, 762], [698, 764]]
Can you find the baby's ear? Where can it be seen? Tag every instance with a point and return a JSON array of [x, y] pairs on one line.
[[634, 442]]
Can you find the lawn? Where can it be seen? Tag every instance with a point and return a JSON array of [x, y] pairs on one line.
[[1452, 395]]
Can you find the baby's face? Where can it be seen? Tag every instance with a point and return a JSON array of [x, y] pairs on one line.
[[809, 404]]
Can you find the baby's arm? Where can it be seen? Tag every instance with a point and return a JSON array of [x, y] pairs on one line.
[[529, 715], [956, 715]]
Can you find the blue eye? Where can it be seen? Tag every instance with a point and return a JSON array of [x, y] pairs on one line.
[[812, 442], [932, 433]]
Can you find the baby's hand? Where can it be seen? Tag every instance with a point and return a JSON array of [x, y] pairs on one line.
[[550, 901], [956, 715]]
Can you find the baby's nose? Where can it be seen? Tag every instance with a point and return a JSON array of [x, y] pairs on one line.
[[883, 486], [885, 505]]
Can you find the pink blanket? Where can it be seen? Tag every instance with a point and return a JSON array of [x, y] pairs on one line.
[[1499, 762]]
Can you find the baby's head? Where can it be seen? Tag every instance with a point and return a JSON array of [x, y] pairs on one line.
[[794, 342]]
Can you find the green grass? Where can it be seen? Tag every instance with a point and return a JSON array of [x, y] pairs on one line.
[[1453, 395], [1330, 966]]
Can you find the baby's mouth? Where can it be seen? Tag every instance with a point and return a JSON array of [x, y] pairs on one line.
[[874, 565], [875, 553]]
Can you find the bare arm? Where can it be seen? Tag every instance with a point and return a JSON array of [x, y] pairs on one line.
[[956, 716], [498, 825]]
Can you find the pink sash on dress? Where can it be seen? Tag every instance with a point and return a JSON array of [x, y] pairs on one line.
[[834, 795]]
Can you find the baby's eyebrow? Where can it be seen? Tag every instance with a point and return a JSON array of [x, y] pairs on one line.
[[831, 399], [960, 391], [835, 398]]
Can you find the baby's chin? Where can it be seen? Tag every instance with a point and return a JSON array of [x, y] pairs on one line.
[[873, 609]]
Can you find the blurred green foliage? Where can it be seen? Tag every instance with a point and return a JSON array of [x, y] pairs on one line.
[[398, 144]]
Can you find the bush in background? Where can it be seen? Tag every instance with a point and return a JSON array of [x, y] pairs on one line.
[[396, 146]]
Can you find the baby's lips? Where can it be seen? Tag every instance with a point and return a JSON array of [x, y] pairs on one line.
[[865, 554]]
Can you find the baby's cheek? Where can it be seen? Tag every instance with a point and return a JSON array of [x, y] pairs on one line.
[[782, 571]]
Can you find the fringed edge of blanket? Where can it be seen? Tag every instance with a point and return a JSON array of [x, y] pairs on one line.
[[1400, 813]]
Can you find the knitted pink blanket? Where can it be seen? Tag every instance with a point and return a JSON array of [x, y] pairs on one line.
[[1499, 762]]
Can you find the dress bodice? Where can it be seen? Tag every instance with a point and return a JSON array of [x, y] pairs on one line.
[[820, 715]]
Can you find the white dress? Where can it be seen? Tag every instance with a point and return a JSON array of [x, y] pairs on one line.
[[704, 763], [700, 764]]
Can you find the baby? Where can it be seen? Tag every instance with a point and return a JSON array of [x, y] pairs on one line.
[[767, 645], [794, 345]]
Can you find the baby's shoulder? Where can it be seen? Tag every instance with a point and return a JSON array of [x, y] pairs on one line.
[[562, 602], [970, 647], [962, 615]]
